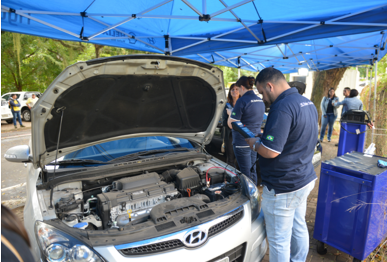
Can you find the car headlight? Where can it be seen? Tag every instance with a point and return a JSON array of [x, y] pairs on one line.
[[251, 191], [57, 246]]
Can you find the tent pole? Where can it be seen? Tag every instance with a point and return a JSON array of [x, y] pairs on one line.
[[239, 73], [375, 87], [370, 91]]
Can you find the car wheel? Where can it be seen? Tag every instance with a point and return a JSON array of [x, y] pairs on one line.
[[9, 121], [26, 115]]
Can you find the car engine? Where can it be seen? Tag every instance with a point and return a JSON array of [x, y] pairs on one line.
[[132, 198]]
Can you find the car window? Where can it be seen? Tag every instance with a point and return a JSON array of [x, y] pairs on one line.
[[7, 97], [111, 150], [28, 95]]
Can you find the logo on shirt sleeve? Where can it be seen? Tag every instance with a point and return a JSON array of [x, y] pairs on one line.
[[270, 138], [233, 113]]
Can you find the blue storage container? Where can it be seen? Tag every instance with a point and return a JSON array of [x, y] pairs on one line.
[[352, 138], [351, 210]]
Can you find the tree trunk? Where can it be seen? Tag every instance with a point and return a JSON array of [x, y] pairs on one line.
[[97, 50], [322, 82]]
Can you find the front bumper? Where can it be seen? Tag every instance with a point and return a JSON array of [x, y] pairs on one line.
[[243, 238]]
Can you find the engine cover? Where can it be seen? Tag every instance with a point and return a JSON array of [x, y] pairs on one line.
[[134, 196]]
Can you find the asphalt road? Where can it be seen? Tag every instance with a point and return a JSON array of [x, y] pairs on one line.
[[13, 174]]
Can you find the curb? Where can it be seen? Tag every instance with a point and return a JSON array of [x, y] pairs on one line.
[[13, 187]]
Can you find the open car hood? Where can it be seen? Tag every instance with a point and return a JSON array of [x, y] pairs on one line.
[[126, 96]]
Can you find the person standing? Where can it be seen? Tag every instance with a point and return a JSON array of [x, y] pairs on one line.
[[233, 96], [351, 102], [15, 108], [346, 92], [286, 150], [329, 114], [249, 110], [31, 101]]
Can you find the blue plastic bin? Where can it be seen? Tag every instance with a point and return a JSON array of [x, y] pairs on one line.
[[351, 210], [349, 141]]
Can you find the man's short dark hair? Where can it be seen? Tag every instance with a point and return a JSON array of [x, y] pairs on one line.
[[353, 93], [347, 88], [269, 74]]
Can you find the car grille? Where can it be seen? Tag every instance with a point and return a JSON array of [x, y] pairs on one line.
[[225, 224], [234, 255], [152, 248], [176, 243]]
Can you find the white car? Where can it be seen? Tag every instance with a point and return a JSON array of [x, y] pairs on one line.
[[117, 170], [6, 113], [22, 97]]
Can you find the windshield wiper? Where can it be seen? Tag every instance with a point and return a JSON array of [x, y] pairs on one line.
[[77, 162], [134, 156]]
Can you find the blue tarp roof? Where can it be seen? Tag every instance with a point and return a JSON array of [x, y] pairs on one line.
[[316, 55], [191, 27]]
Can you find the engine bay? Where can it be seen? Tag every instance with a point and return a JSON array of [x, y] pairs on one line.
[[130, 199]]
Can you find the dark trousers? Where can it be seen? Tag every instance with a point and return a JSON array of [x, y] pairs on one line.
[[229, 151], [246, 158]]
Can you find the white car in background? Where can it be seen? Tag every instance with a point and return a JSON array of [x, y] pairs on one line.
[[132, 181], [22, 97], [6, 113]]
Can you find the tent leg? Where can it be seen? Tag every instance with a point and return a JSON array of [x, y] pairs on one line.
[[369, 95], [239, 73], [375, 87]]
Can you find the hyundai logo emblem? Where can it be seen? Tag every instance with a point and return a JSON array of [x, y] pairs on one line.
[[195, 238]]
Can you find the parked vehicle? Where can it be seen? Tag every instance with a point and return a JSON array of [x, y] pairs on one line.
[[6, 113], [117, 170], [22, 97]]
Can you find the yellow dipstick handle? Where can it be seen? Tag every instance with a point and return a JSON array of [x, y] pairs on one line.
[[129, 213]]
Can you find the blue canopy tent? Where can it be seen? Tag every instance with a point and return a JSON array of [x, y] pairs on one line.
[[315, 55], [318, 34], [186, 27]]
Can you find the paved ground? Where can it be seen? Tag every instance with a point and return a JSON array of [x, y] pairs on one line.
[[13, 174], [10, 127]]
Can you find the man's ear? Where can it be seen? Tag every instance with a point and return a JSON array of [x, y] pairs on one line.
[[271, 87]]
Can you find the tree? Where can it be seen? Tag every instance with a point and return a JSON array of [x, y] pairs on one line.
[[322, 82], [31, 63]]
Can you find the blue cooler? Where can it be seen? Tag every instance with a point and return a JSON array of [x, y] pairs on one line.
[[352, 205]]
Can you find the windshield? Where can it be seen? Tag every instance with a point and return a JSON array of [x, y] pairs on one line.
[[114, 149]]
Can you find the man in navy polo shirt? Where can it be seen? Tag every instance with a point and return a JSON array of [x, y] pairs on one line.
[[286, 150]]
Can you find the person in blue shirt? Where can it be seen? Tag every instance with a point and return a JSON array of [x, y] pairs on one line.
[[286, 150], [249, 110], [351, 102], [328, 113]]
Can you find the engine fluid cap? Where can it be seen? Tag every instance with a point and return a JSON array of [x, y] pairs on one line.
[[81, 225]]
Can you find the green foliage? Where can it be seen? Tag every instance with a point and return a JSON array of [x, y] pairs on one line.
[[230, 74], [31, 63]]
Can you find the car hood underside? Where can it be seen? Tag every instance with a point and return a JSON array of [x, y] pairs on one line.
[[107, 99]]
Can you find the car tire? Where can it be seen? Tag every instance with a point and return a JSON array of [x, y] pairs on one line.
[[26, 115], [9, 121]]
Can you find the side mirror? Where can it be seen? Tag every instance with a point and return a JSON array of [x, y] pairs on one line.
[[20, 154]]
